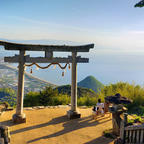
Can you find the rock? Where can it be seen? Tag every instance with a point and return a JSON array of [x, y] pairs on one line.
[[2, 141], [40, 107], [35, 107], [47, 106], [9, 109], [5, 135], [51, 107], [62, 106], [83, 107], [28, 108]]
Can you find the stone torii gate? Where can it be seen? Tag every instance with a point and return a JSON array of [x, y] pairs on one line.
[[22, 58]]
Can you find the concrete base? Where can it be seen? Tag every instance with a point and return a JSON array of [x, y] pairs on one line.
[[19, 118], [73, 114]]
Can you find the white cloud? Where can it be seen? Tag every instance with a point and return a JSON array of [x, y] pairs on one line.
[[136, 32]]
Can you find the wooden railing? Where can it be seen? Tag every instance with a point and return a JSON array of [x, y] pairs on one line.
[[133, 134]]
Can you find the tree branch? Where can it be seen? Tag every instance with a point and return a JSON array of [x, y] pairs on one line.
[[140, 4]]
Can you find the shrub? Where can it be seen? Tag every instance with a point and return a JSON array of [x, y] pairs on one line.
[[87, 101], [131, 91], [8, 95], [32, 99], [48, 96]]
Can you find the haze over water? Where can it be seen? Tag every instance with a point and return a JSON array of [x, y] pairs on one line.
[[107, 67]]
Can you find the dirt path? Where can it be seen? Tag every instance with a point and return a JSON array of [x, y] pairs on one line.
[[51, 126]]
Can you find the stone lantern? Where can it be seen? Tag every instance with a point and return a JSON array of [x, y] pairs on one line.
[[117, 109]]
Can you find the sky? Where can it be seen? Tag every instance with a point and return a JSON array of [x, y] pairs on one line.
[[114, 26], [111, 24]]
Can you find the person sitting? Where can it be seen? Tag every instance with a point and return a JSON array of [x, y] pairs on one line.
[[98, 109]]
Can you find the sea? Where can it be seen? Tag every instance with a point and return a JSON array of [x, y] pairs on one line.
[[107, 67]]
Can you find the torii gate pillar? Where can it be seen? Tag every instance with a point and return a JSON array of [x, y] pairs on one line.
[[73, 113], [19, 116]]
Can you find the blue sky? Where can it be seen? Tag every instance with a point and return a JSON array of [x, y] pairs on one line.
[[115, 26], [111, 24]]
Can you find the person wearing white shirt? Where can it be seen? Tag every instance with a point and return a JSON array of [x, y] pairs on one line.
[[100, 107]]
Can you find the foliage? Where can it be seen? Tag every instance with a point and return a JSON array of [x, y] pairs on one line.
[[32, 99], [140, 4], [135, 118], [91, 82], [131, 91], [109, 134], [8, 95], [61, 99], [48, 96], [87, 101], [6, 104], [81, 92]]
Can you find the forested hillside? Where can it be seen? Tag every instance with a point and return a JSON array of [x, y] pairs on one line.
[[91, 82], [81, 92]]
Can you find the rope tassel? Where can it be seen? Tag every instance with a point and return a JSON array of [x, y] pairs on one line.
[[31, 71], [54, 67], [69, 66], [62, 74]]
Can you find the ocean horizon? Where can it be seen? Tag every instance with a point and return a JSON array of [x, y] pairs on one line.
[[107, 67]]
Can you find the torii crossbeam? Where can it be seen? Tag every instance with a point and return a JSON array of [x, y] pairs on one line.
[[22, 58]]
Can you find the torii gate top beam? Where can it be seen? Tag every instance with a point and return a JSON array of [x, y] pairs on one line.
[[38, 47]]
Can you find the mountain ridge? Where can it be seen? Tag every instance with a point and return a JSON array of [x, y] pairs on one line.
[[9, 78], [66, 89], [91, 82]]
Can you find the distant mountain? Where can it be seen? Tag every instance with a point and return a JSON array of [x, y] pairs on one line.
[[91, 83], [9, 79], [66, 89]]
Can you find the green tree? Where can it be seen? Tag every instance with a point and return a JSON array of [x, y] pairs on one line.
[[47, 96], [32, 99], [140, 4], [8, 95]]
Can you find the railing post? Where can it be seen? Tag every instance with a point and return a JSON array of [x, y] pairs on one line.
[[122, 127]]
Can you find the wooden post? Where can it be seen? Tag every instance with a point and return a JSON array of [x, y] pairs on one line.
[[122, 127], [19, 117], [73, 113]]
